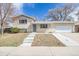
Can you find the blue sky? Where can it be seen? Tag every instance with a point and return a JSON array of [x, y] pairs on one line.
[[38, 10]]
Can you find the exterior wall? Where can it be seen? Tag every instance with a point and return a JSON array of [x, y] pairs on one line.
[[30, 28], [26, 27], [16, 23], [41, 30], [52, 26]]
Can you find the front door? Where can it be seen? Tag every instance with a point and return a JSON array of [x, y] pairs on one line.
[[34, 27], [78, 30]]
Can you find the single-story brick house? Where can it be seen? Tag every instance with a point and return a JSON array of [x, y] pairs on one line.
[[30, 24]]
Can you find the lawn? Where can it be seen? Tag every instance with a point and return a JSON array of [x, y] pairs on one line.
[[12, 39], [46, 40]]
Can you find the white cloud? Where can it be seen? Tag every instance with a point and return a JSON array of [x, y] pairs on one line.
[[18, 8]]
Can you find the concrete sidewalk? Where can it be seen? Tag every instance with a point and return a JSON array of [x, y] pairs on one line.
[[39, 51]]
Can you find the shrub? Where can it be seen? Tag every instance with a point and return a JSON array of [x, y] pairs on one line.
[[7, 30], [14, 30], [50, 32]]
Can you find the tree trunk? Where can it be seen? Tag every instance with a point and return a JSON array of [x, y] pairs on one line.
[[2, 31]]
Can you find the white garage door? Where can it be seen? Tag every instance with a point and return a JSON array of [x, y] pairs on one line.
[[63, 29]]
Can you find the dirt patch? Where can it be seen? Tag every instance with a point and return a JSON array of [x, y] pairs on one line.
[[46, 40]]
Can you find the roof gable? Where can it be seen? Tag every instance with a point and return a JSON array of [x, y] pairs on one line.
[[15, 17]]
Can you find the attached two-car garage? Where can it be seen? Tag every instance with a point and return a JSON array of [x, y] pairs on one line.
[[63, 29], [63, 26]]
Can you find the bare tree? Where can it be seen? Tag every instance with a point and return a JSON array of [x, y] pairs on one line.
[[61, 13], [5, 12], [77, 14]]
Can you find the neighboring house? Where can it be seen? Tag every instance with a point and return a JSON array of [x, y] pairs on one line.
[[29, 24]]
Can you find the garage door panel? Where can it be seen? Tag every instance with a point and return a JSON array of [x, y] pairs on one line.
[[63, 29]]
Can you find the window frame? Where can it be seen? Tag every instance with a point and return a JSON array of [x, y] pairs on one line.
[[43, 25], [24, 21]]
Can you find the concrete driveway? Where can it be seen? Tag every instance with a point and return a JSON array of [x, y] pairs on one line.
[[67, 39], [73, 36]]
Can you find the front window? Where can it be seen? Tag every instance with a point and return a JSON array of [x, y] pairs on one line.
[[43, 26], [23, 21]]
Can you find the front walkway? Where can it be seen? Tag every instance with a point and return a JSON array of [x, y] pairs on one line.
[[65, 40], [28, 40]]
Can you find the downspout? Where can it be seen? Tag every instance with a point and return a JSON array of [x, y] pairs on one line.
[[73, 28]]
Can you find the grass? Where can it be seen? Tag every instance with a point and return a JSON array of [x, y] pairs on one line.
[[46, 40], [12, 39]]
